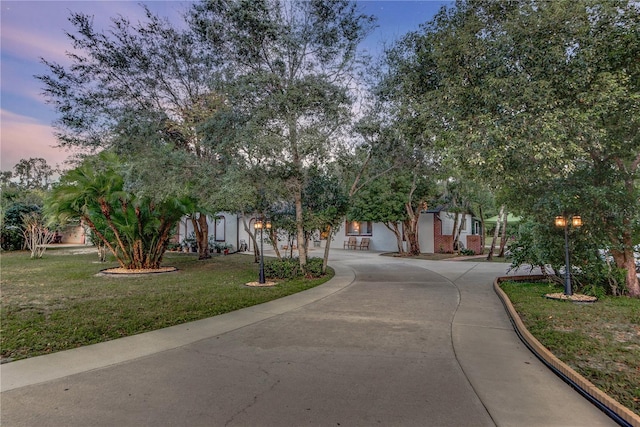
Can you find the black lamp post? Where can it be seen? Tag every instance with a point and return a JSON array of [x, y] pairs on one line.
[[563, 222], [261, 224]]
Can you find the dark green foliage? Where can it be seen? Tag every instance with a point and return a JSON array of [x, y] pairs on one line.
[[12, 238], [539, 244], [285, 268], [542, 99], [289, 268]]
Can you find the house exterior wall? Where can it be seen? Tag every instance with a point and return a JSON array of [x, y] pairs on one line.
[[382, 239], [448, 219], [435, 234], [225, 231], [475, 243], [74, 235], [425, 232]]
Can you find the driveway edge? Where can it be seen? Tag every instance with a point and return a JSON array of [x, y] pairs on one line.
[[618, 412]]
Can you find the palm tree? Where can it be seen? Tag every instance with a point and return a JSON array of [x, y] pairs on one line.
[[136, 230]]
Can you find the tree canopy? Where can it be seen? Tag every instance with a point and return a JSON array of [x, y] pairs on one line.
[[542, 98]]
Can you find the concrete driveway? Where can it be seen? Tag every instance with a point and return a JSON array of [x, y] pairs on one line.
[[388, 342]]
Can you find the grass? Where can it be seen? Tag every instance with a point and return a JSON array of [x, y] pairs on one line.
[[58, 302], [601, 341]]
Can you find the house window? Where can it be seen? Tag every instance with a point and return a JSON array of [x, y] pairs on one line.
[[359, 228], [220, 229]]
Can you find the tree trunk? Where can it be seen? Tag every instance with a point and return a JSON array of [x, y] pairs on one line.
[[625, 259], [201, 229], [503, 239], [302, 250], [273, 236], [482, 229], [411, 229], [457, 240], [393, 227], [496, 233], [327, 246], [456, 219], [252, 238]]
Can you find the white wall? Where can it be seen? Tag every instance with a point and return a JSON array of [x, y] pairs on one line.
[[425, 233], [185, 228]]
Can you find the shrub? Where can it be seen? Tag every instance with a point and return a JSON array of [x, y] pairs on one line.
[[314, 267], [285, 268], [289, 268]]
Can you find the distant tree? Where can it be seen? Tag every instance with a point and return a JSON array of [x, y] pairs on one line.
[[33, 173], [12, 225]]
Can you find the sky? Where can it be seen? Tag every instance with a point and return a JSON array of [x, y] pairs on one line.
[[30, 30]]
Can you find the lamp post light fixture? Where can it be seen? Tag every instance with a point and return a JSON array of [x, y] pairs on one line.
[[261, 224], [563, 222]]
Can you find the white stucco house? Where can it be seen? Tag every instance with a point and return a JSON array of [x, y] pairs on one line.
[[435, 233]]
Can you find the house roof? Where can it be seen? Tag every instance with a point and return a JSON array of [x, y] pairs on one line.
[[443, 208]]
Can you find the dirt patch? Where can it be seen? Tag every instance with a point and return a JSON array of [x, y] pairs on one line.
[[119, 271], [260, 285], [572, 298]]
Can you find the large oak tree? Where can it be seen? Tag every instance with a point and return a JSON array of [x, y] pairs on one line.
[[290, 67], [544, 99]]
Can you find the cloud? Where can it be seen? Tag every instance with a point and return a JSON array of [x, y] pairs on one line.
[[24, 137]]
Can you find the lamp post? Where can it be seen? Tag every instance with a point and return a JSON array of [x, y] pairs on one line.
[[563, 222], [261, 224]]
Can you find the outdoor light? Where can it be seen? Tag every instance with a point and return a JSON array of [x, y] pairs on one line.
[[261, 224], [563, 222], [576, 221], [560, 221]]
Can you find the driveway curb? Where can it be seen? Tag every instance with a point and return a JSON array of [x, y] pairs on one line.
[[620, 413]]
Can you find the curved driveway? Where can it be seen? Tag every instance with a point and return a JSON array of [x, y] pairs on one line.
[[388, 342]]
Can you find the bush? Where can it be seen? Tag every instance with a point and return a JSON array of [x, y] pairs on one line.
[[598, 278], [467, 252], [314, 267], [289, 268], [542, 245], [11, 238]]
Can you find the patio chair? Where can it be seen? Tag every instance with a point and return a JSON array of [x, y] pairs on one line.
[[352, 243], [364, 244]]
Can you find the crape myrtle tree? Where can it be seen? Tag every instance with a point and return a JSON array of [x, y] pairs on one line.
[[537, 95], [383, 200], [326, 202], [21, 194], [289, 66], [135, 229], [143, 80]]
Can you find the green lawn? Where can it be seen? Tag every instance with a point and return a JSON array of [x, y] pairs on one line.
[[58, 302], [601, 341]]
